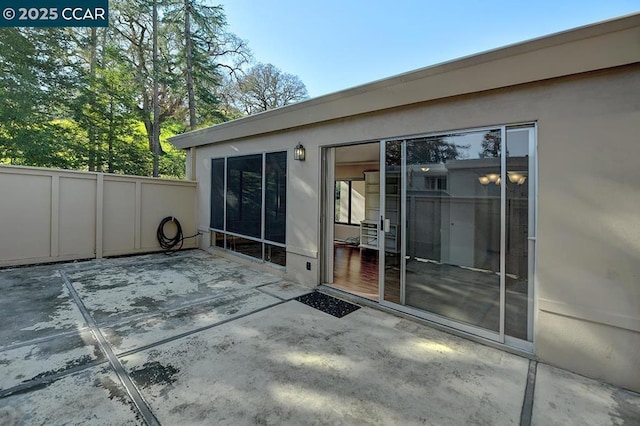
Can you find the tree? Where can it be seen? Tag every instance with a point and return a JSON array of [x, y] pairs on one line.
[[106, 99], [265, 87], [212, 48], [490, 145], [207, 54], [102, 108], [33, 71], [155, 137]]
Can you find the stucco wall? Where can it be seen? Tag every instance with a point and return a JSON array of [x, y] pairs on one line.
[[54, 215], [588, 247]]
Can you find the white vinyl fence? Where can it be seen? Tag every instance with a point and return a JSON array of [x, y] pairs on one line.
[[51, 215]]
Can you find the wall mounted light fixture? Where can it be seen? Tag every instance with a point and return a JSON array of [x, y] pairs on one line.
[[299, 152]]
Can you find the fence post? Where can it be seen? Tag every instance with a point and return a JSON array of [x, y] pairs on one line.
[[137, 226], [99, 214], [55, 215]]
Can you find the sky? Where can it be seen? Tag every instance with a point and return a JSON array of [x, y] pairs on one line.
[[334, 45]]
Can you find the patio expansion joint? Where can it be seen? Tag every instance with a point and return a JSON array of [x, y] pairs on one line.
[[270, 283], [139, 402], [198, 330], [43, 339], [147, 315], [27, 386], [126, 260], [526, 412], [273, 294]]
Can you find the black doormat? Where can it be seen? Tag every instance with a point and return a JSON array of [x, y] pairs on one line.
[[332, 306]]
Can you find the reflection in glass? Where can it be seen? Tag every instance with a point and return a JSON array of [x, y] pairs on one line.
[[453, 226], [244, 246], [217, 193], [275, 254], [244, 195], [218, 238], [392, 214], [517, 251], [276, 197]]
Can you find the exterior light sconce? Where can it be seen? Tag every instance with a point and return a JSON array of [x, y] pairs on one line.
[[424, 169], [298, 152]]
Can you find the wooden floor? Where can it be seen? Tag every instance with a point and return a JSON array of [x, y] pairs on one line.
[[462, 294], [355, 270]]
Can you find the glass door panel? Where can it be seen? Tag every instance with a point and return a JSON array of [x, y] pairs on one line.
[[457, 230], [519, 226], [390, 246], [453, 226]]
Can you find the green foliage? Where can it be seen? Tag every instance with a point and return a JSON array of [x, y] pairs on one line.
[[82, 98], [32, 74]]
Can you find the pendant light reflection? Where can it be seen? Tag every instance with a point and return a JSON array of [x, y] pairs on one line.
[[518, 178]]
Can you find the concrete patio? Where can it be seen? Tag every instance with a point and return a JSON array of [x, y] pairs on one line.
[[197, 339]]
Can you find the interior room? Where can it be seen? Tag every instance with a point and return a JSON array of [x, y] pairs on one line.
[[356, 204]]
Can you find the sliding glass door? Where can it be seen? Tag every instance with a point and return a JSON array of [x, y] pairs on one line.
[[458, 229]]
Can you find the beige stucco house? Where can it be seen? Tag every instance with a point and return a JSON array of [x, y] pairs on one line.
[[497, 195]]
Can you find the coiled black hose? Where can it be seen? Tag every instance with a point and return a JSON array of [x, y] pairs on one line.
[[174, 243], [171, 244]]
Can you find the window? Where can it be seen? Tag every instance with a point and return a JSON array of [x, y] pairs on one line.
[[249, 203], [437, 183], [349, 202], [276, 197], [244, 195], [217, 193]]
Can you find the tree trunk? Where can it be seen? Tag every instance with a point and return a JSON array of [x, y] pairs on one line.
[[93, 42], [111, 136], [189, 57], [156, 106], [111, 132]]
